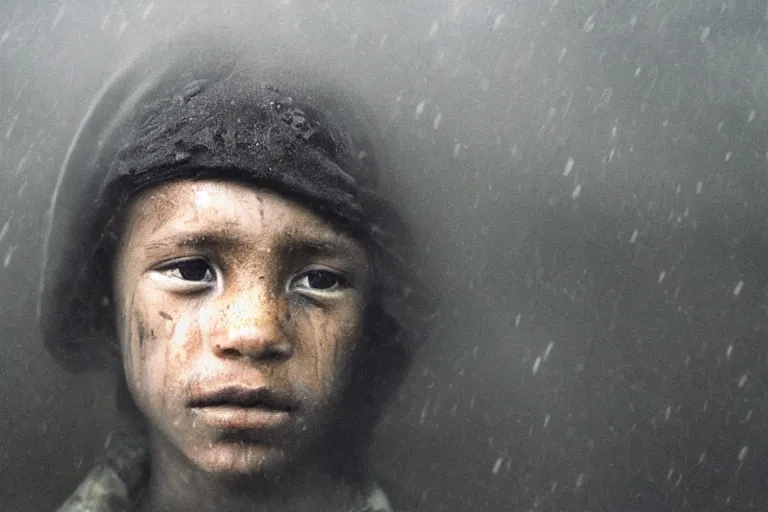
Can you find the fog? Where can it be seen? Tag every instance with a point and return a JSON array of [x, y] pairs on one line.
[[588, 180]]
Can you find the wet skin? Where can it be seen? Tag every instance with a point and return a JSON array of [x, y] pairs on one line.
[[238, 312]]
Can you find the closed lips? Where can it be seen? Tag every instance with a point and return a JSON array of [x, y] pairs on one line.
[[236, 396]]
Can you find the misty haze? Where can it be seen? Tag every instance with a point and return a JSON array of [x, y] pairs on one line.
[[587, 184]]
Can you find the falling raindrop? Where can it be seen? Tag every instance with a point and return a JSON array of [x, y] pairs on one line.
[[576, 192], [704, 34], [743, 453], [147, 10], [11, 126], [4, 230], [536, 365], [59, 15], [549, 348], [9, 256], [499, 21], [568, 167], [436, 122], [589, 24], [497, 465]]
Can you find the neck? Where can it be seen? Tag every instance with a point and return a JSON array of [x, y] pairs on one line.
[[176, 485]]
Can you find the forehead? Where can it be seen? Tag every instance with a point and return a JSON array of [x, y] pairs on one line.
[[225, 207]]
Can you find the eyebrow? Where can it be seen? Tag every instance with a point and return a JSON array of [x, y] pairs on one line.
[[285, 244], [311, 246], [195, 241]]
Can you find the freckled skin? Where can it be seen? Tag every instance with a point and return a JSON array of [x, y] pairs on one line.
[[255, 325]]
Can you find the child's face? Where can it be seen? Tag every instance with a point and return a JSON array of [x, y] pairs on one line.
[[238, 311]]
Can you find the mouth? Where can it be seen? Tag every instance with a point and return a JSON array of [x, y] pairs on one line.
[[241, 408]]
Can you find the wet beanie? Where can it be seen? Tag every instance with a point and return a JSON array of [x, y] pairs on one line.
[[196, 110]]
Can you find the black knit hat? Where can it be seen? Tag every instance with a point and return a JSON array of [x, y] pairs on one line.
[[192, 110]]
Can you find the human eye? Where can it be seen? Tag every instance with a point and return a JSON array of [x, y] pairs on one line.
[[320, 282], [187, 275]]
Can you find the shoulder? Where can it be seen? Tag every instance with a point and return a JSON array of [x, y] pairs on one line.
[[117, 480]]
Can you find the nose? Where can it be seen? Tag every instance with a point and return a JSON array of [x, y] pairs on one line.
[[253, 329]]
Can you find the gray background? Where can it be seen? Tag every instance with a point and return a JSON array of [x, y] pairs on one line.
[[589, 179]]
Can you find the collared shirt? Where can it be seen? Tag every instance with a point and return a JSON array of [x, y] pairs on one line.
[[119, 479]]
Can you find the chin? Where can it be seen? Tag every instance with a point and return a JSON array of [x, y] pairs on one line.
[[237, 460]]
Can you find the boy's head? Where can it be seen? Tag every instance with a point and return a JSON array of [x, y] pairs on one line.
[[217, 230]]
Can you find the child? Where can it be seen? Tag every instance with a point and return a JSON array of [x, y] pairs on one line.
[[217, 238]]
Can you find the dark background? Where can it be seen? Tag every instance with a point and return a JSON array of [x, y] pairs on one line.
[[589, 179]]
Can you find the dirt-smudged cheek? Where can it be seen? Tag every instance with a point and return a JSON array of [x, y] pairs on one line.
[[169, 324], [172, 365]]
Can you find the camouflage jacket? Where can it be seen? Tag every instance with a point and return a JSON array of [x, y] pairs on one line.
[[118, 480]]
